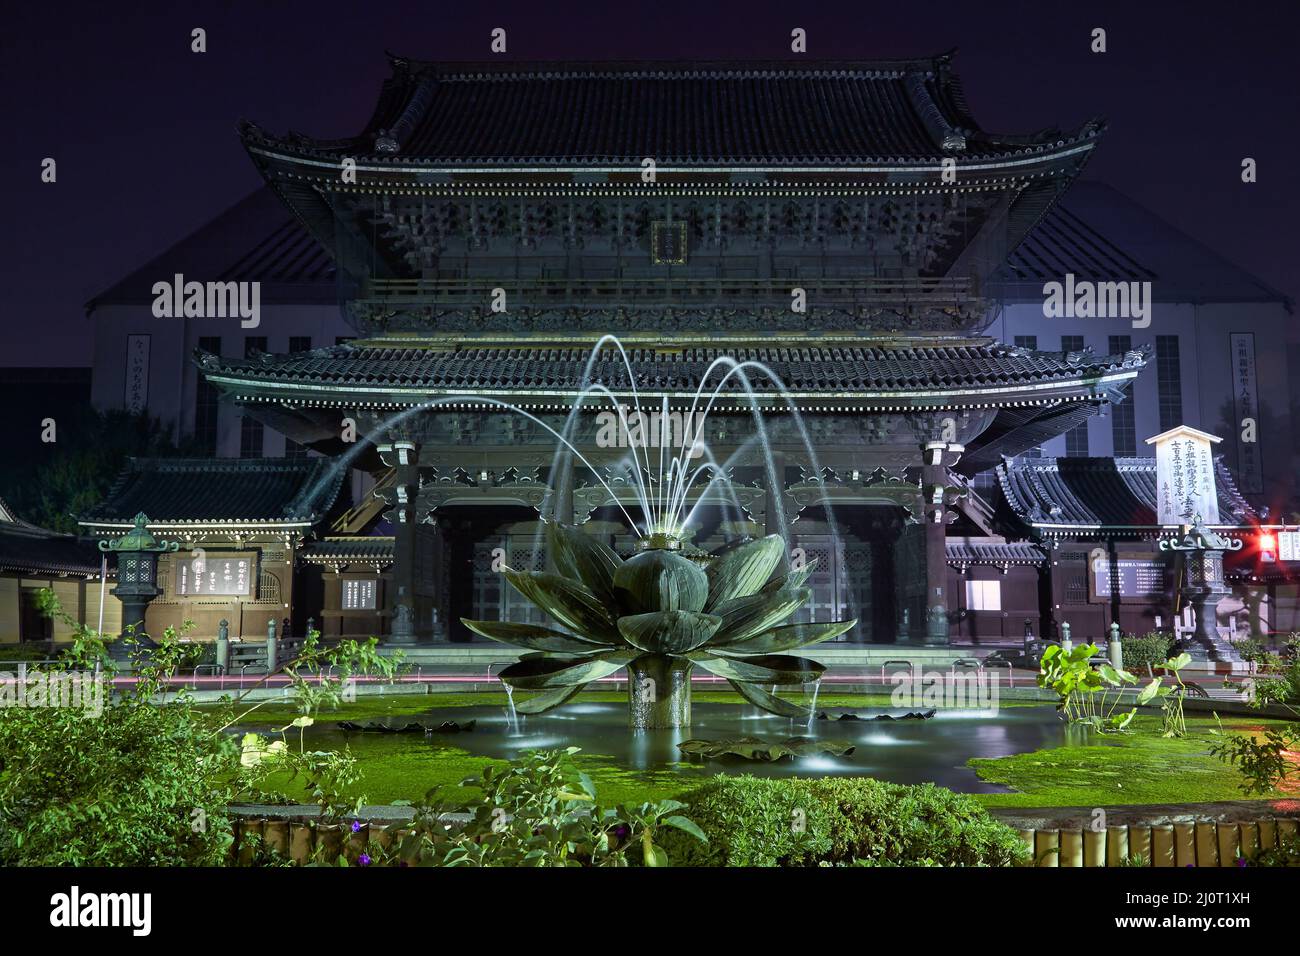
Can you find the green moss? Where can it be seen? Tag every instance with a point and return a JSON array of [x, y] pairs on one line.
[[1141, 767]]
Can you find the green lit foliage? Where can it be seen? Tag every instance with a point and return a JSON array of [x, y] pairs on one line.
[[753, 821], [727, 620], [541, 810], [1086, 694]]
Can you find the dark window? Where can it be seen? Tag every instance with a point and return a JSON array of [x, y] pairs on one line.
[[1076, 439], [251, 431], [300, 343], [206, 401], [1169, 382], [1122, 429], [1026, 341]]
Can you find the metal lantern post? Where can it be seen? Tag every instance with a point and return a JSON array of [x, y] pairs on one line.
[[137, 581], [1203, 550]]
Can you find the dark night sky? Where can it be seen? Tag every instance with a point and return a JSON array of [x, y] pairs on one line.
[[144, 130]]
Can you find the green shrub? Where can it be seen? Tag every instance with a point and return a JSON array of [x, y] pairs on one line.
[[1146, 651], [752, 821]]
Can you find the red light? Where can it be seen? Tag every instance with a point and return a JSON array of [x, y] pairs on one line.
[[1268, 547]]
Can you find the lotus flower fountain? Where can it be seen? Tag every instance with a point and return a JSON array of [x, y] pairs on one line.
[[660, 615]]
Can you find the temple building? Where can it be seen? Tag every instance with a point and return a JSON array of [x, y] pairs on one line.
[[848, 226]]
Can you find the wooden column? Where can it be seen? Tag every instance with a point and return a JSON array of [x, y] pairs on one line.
[[404, 457]]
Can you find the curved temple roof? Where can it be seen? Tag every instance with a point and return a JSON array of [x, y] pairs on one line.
[[204, 491], [755, 114], [981, 370], [1060, 495]]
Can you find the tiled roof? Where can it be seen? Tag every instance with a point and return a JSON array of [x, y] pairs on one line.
[[968, 552], [763, 113], [220, 491], [828, 368], [1092, 492], [368, 548], [26, 548]]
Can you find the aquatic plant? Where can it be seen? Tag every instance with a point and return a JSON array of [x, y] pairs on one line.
[[660, 615]]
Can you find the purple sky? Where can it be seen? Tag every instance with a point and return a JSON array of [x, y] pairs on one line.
[[144, 130]]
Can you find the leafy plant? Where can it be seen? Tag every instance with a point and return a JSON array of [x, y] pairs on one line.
[[1264, 763], [1170, 697], [660, 614], [1087, 694], [1147, 651], [139, 784], [541, 810], [754, 821]]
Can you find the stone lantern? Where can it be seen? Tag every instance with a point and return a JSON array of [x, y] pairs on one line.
[[137, 580], [1203, 550]]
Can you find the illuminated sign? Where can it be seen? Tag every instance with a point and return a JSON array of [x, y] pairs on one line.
[[359, 595], [215, 576]]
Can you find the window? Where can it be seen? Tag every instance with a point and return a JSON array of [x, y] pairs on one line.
[[1026, 341], [1122, 428], [206, 403], [984, 595], [1169, 382], [1076, 439]]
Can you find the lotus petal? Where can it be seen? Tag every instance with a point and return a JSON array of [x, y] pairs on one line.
[[752, 748], [570, 603], [544, 673], [659, 580], [770, 702], [581, 557], [785, 638], [668, 632], [540, 703], [795, 579], [534, 637], [744, 571], [748, 616], [768, 669]]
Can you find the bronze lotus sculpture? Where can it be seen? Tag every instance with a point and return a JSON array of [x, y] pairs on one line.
[[660, 615]]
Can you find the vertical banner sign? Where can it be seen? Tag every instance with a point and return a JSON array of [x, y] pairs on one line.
[[1245, 401], [1185, 485], [137, 373]]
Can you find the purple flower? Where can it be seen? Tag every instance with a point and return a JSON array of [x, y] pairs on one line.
[[356, 825], [1241, 861], [363, 859], [621, 831]]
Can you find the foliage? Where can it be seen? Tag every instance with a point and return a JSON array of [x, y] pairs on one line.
[[1268, 761], [1087, 695], [1170, 697], [541, 810], [85, 461], [1286, 853], [657, 604], [753, 821], [134, 786], [1147, 651], [146, 781], [1263, 762]]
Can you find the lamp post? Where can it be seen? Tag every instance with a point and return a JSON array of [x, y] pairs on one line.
[[1204, 549], [137, 580]]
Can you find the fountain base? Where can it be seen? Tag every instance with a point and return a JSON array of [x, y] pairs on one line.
[[659, 692]]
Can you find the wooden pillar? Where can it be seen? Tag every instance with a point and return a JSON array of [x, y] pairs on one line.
[[404, 457]]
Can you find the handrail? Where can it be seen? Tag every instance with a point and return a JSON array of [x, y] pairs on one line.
[[910, 665]]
